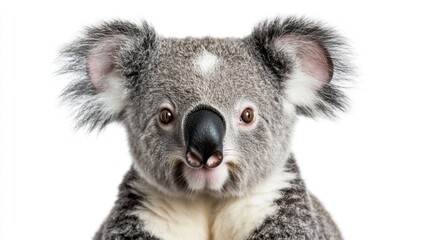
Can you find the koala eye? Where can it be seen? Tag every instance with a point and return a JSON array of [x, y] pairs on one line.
[[247, 115], [166, 116]]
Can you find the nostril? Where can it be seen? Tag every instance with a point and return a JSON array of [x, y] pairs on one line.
[[214, 160], [193, 160]]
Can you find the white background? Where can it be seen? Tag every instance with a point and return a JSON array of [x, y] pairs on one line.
[[370, 167]]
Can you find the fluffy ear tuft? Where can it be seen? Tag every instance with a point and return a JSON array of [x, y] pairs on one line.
[[96, 61], [310, 61]]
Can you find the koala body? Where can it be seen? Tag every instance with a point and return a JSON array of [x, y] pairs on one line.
[[209, 123]]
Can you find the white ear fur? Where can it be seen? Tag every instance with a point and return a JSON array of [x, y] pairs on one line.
[[312, 69], [104, 76], [301, 89], [312, 58], [113, 95]]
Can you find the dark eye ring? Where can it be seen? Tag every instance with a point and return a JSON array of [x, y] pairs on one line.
[[247, 115], [166, 116]]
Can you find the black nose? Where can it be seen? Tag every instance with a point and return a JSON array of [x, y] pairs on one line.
[[204, 132]]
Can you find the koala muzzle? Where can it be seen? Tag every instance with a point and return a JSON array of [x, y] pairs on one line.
[[204, 131]]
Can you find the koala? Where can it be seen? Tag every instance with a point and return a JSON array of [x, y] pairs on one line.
[[209, 124]]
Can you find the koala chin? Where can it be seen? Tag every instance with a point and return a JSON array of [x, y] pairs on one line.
[[209, 123]]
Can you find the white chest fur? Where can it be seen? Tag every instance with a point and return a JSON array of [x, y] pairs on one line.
[[208, 219]]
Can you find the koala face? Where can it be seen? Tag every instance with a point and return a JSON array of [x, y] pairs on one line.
[[220, 75], [206, 116]]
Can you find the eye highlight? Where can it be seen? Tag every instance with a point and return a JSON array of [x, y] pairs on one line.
[[166, 116], [247, 115]]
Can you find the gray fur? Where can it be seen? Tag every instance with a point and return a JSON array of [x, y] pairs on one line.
[[159, 70], [301, 216]]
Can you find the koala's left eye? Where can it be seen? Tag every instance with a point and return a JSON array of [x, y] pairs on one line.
[[247, 115], [166, 116]]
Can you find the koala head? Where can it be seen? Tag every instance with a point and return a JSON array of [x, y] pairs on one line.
[[206, 115]]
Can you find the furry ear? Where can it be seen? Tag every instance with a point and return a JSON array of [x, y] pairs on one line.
[[98, 61], [308, 59]]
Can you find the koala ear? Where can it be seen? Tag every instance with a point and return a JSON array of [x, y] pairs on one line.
[[101, 62], [308, 59]]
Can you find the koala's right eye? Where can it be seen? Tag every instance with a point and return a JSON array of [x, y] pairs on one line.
[[247, 115], [166, 116]]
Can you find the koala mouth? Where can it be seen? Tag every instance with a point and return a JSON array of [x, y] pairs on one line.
[[206, 178]]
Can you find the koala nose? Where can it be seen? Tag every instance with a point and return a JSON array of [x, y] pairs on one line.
[[204, 131]]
